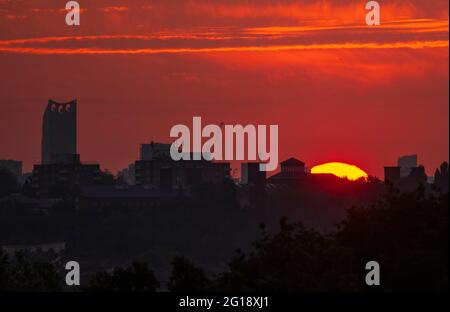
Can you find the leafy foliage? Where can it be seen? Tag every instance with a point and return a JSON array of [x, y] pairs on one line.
[[295, 259], [22, 274], [186, 276], [136, 278], [407, 234]]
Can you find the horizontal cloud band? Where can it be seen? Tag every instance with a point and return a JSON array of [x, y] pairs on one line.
[[411, 45], [407, 33]]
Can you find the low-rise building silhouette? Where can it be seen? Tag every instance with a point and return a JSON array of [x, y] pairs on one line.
[[166, 173], [154, 150], [157, 170], [292, 170], [252, 175], [407, 164], [128, 175], [64, 176], [407, 175]]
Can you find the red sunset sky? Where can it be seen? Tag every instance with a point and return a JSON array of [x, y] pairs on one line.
[[339, 90]]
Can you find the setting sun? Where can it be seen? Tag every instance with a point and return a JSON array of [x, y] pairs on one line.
[[341, 170]]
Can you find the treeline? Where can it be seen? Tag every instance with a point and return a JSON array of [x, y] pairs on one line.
[[407, 234], [206, 227]]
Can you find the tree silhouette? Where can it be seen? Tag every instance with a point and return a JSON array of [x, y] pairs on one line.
[[407, 233], [22, 274], [186, 276], [441, 177], [295, 259], [136, 278]]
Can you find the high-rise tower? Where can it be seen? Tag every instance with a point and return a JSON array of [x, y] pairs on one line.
[[59, 131]]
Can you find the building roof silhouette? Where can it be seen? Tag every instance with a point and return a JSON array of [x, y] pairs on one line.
[[292, 162]]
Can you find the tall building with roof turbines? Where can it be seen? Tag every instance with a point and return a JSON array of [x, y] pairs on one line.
[[59, 131]]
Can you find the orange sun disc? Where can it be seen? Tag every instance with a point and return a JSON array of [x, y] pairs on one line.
[[341, 170]]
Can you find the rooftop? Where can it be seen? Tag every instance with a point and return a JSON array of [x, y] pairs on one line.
[[292, 162]]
